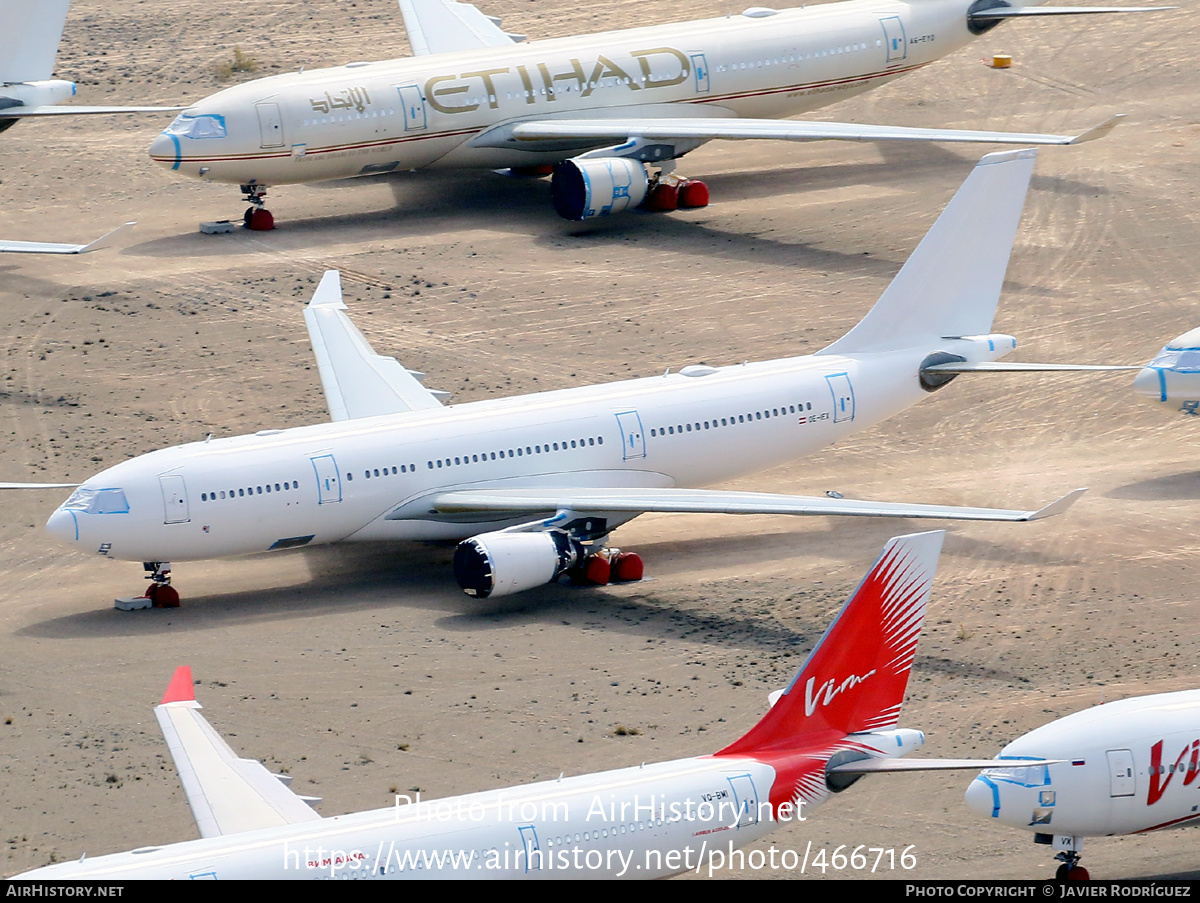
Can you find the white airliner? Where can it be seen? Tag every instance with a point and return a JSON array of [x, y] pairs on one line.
[[1126, 768], [29, 37], [535, 483], [1172, 379], [599, 108], [835, 721]]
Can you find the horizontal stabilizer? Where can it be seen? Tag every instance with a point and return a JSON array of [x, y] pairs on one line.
[[64, 110], [48, 247], [878, 766], [38, 485], [1014, 12], [227, 794], [698, 501], [443, 26], [667, 129], [1015, 367], [357, 381]]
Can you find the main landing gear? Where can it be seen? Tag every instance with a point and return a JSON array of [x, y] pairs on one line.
[[607, 566], [160, 592], [257, 216], [669, 191]]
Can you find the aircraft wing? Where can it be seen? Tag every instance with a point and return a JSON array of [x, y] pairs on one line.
[[38, 485], [227, 794], [47, 247], [1013, 12], [441, 26], [65, 110], [667, 129], [1017, 367], [699, 501], [357, 381]]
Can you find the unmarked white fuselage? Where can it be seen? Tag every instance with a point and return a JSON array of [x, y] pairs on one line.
[[1131, 766], [451, 110], [340, 481]]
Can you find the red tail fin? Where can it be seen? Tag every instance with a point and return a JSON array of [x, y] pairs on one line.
[[854, 679]]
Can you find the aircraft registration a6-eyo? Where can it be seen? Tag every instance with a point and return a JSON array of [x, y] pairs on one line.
[[535, 483], [1125, 767], [834, 722], [599, 108]]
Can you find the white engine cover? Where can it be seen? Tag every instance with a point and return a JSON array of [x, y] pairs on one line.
[[586, 188], [500, 564]]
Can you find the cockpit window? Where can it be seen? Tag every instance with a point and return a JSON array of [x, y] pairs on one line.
[[1182, 360], [207, 126], [1032, 775], [98, 501]]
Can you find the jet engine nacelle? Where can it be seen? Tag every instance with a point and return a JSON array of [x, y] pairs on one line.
[[500, 564], [36, 94], [584, 188], [1173, 377]]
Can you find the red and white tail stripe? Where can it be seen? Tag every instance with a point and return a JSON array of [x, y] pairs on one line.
[[855, 678]]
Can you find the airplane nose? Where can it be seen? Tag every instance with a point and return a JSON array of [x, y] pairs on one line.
[[62, 527], [1150, 383], [165, 151], [983, 798]]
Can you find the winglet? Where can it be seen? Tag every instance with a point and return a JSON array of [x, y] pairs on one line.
[[106, 239], [329, 292], [1058, 507], [855, 677], [180, 689], [1099, 131]]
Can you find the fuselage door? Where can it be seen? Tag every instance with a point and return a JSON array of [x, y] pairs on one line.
[[633, 441], [1120, 772], [700, 68], [533, 849], [175, 504], [270, 124], [745, 798], [329, 484], [843, 396], [414, 108], [897, 44]]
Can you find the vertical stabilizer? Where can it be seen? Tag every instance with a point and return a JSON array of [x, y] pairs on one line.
[[854, 680], [29, 34], [952, 281]]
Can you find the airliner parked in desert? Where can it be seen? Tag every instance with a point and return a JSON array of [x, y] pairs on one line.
[[1172, 379], [599, 108], [29, 36], [536, 483], [1126, 767], [834, 722]]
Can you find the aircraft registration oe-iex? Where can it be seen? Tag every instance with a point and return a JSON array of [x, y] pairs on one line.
[[535, 483], [598, 108], [834, 722]]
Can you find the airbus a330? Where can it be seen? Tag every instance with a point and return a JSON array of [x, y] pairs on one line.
[[610, 112], [834, 722], [534, 484]]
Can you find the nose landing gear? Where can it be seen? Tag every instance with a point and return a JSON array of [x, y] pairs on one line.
[[160, 592], [257, 216]]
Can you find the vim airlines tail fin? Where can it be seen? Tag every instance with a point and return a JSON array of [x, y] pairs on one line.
[[855, 677], [29, 38], [951, 283]]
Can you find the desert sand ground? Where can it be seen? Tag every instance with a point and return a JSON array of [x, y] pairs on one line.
[[364, 671]]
